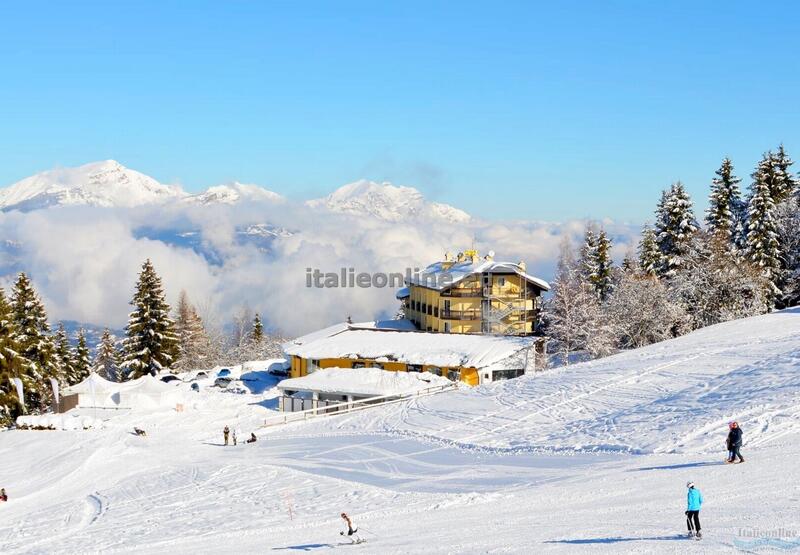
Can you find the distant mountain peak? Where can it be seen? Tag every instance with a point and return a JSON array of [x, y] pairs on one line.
[[107, 183], [387, 202], [234, 192]]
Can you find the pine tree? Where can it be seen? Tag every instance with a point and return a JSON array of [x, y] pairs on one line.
[[194, 344], [64, 356], [257, 333], [151, 343], [82, 357], [601, 277], [763, 249], [36, 344], [784, 184], [650, 258], [725, 213], [12, 365], [106, 362], [588, 255], [675, 227]]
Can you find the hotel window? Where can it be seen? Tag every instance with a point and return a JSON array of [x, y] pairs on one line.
[[359, 365], [436, 311], [414, 367], [447, 327], [501, 281], [435, 370], [313, 365], [430, 309], [453, 374]]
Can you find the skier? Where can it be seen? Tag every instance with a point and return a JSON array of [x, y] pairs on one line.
[[252, 439], [3, 496], [735, 442], [693, 501], [225, 433], [234, 436], [351, 531]]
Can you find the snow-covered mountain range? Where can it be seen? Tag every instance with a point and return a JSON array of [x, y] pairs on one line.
[[112, 185], [387, 202]]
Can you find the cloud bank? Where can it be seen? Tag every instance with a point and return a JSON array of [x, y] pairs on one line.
[[84, 260]]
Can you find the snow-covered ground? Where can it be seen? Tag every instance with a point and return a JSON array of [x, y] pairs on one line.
[[589, 458]]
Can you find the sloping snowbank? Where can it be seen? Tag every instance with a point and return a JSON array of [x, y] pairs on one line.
[[674, 396], [58, 422]]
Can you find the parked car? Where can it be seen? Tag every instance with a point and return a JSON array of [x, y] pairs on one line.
[[201, 375], [195, 386], [170, 378], [223, 381], [278, 371], [223, 373]]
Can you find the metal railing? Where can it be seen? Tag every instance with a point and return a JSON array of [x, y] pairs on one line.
[[468, 314], [347, 407], [463, 292]]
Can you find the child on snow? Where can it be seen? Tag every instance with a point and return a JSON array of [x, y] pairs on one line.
[[3, 496], [693, 501], [351, 531]]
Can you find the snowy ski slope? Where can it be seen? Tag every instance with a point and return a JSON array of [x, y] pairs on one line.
[[593, 458]]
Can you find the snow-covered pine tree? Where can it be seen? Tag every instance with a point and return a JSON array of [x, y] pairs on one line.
[[12, 365], [587, 262], [715, 287], [65, 357], [649, 254], [36, 344], [642, 311], [675, 227], [194, 344], [629, 263], [572, 316], [763, 248], [151, 343], [106, 363], [601, 277], [82, 357], [257, 333], [725, 212], [785, 183]]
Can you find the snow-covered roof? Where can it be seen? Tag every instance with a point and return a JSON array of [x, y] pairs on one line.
[[93, 383], [441, 275], [436, 349], [363, 381], [403, 293], [401, 325]]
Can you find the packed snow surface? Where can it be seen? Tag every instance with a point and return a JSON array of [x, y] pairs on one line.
[[592, 458]]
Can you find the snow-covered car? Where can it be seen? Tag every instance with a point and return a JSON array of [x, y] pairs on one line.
[[170, 378], [200, 376], [224, 373], [223, 381]]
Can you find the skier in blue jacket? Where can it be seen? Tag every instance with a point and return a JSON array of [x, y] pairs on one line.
[[693, 501]]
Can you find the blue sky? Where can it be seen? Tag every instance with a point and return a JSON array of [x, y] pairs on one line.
[[578, 109]]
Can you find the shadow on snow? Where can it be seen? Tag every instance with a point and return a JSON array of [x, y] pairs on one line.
[[619, 540]]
